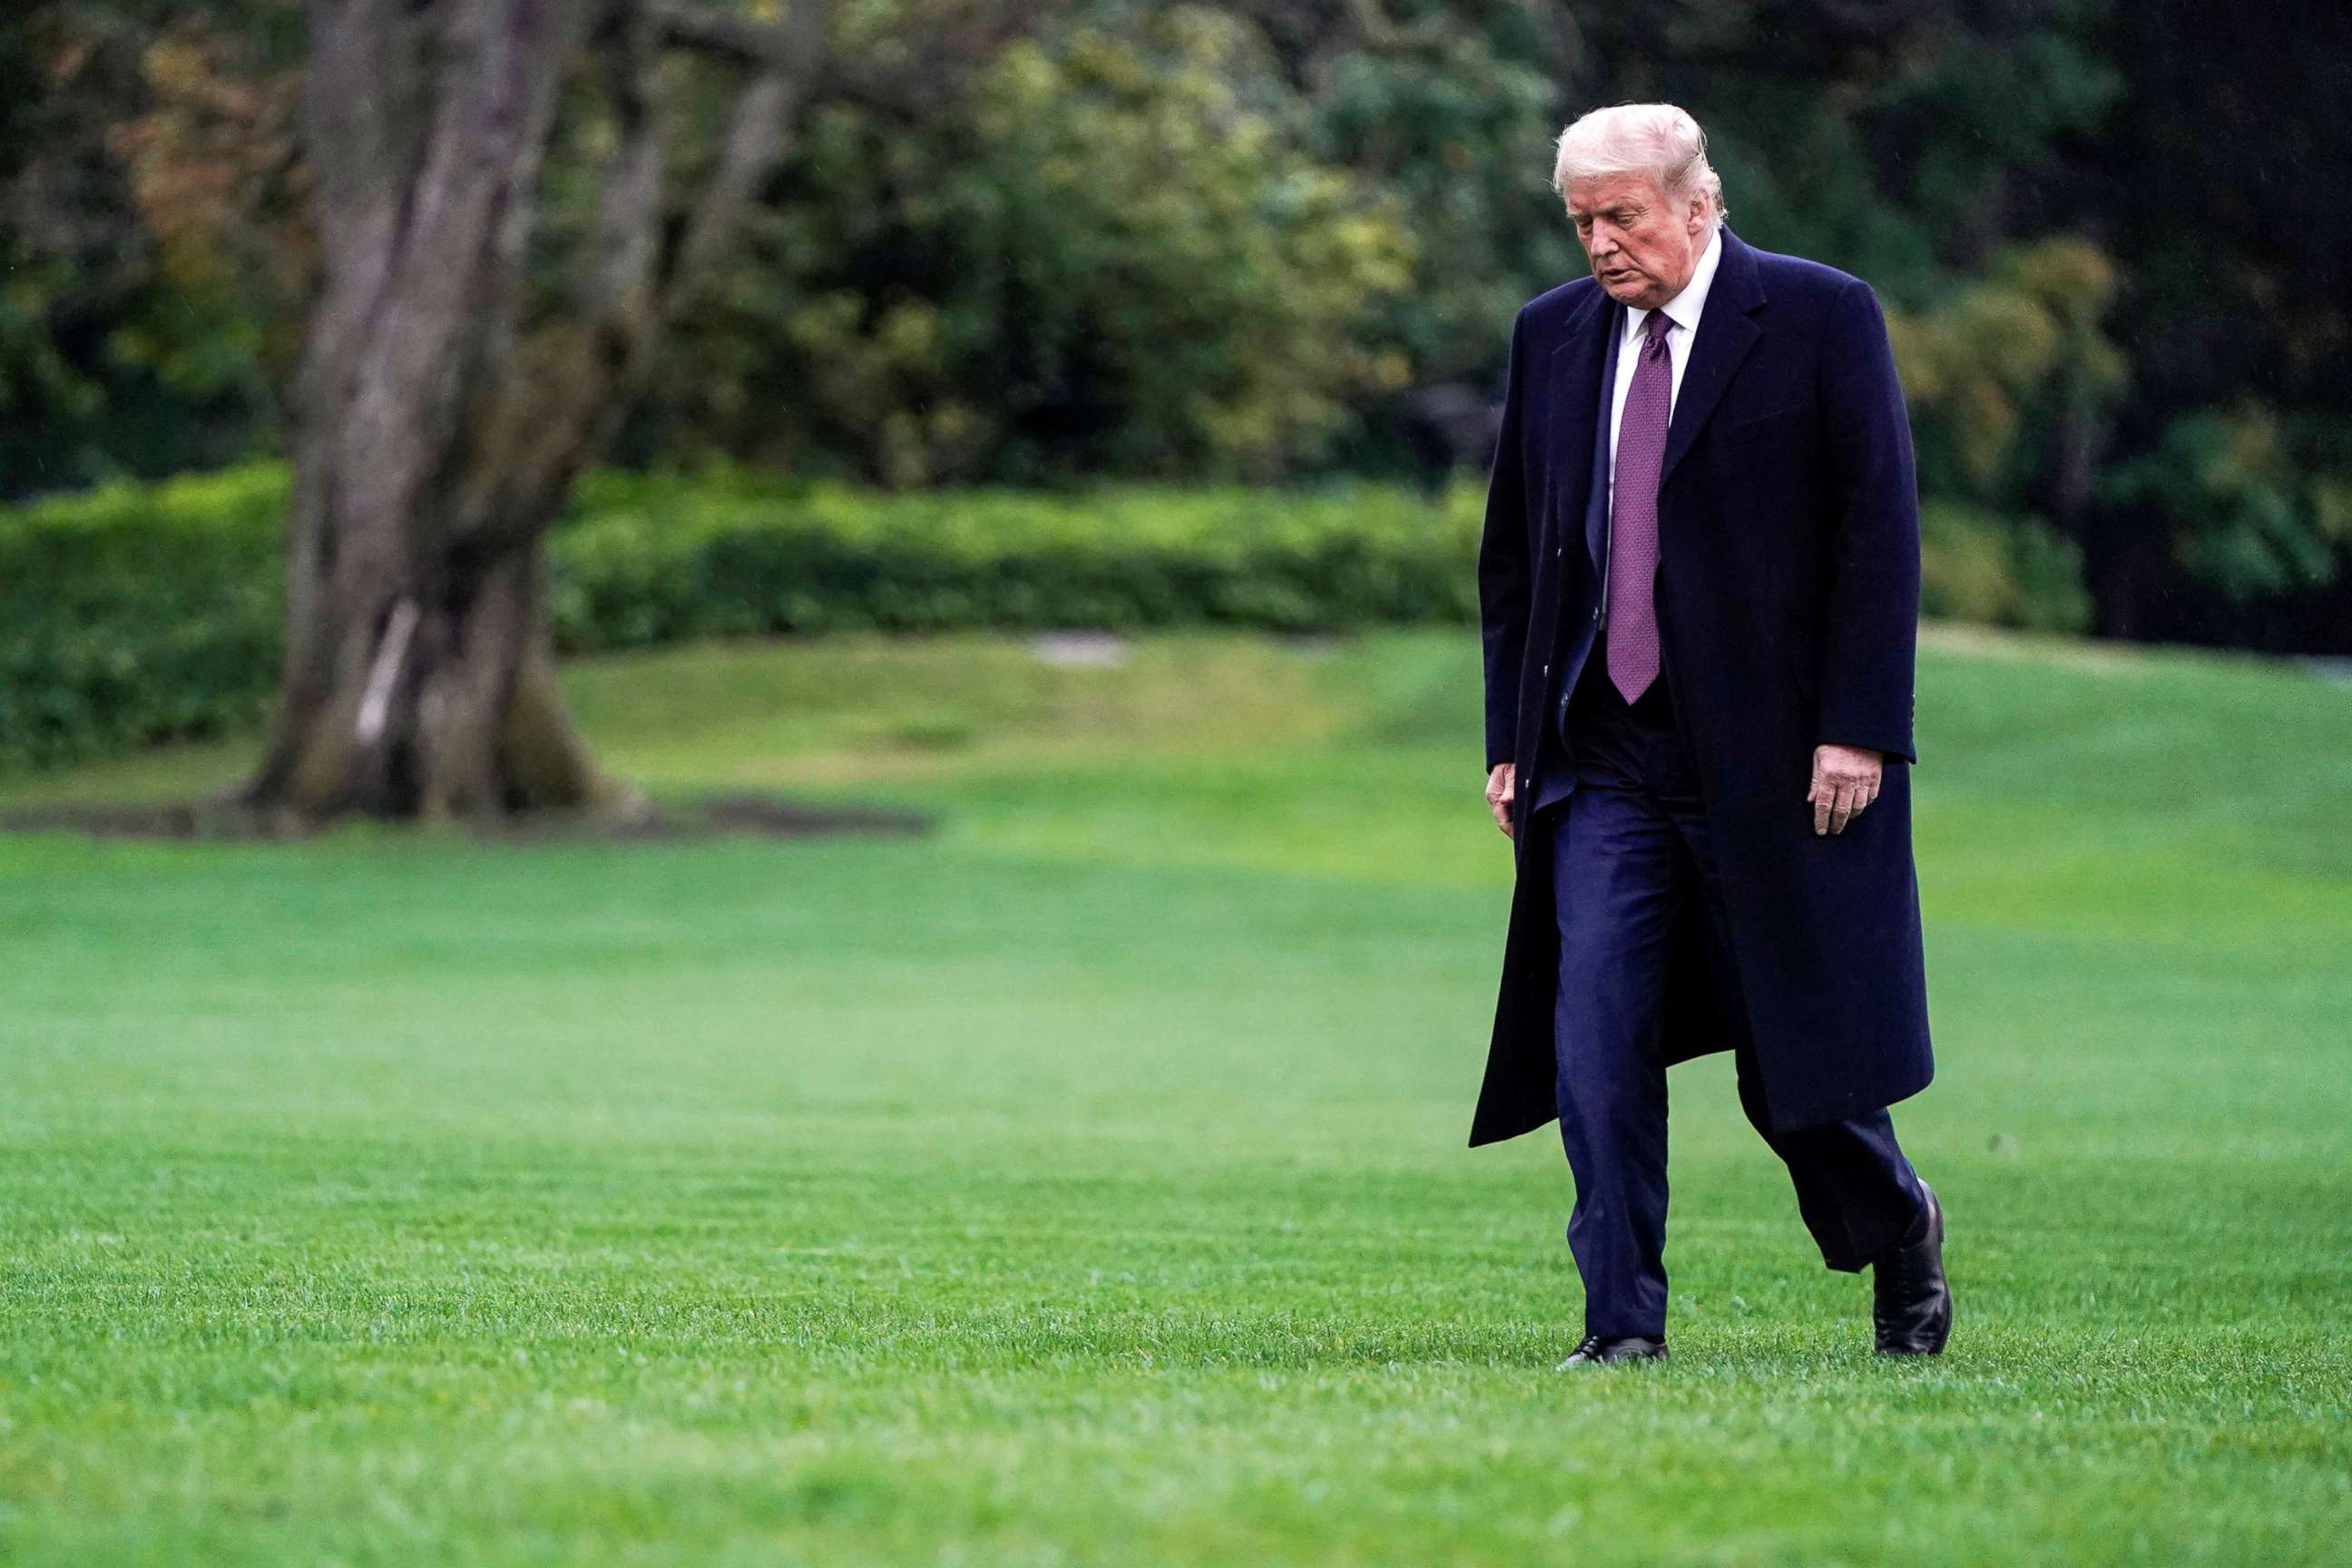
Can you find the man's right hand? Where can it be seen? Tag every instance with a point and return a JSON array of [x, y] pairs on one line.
[[1501, 789]]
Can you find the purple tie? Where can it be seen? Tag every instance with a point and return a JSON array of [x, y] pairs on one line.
[[1634, 515]]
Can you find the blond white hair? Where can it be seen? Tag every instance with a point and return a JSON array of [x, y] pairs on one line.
[[1655, 138]]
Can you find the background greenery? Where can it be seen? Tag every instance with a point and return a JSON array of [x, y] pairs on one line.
[[1284, 239], [1086, 1183], [140, 614]]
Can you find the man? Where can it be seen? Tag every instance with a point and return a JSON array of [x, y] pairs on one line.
[[1699, 585]]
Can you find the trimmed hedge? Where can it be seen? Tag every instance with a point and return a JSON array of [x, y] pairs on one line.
[[655, 561], [138, 614], [2001, 570]]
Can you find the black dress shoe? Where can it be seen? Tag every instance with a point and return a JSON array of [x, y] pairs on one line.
[[1596, 1350], [1911, 1305]]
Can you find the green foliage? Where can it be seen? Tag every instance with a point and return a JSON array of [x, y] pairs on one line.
[[1107, 255], [1112, 239], [656, 560], [2242, 515], [140, 614], [138, 335], [1452, 126], [1891, 141], [135, 614], [1990, 366], [1982, 567]]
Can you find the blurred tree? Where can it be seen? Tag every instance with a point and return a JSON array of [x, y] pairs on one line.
[[1283, 237], [2242, 515], [448, 397], [2012, 384], [125, 346], [1451, 110], [1109, 253], [2224, 180]]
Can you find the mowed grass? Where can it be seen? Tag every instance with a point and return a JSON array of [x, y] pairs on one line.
[[1085, 1183]]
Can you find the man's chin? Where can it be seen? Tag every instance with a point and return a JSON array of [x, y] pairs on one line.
[[1628, 291]]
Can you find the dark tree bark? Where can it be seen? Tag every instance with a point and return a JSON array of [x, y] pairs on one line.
[[436, 439]]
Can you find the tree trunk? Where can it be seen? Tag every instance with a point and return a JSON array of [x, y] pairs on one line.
[[435, 701], [434, 441]]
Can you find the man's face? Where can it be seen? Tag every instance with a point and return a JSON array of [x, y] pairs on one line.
[[1643, 246]]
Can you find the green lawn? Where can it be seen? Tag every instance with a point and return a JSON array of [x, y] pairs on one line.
[[1085, 1183]]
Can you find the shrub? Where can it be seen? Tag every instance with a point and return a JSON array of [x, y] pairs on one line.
[[140, 614], [1978, 565], [135, 613]]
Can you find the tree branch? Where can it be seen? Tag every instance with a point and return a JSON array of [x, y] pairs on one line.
[[788, 58], [562, 408], [1372, 23], [757, 139], [795, 47], [629, 212]]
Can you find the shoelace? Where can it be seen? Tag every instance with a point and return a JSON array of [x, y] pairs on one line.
[[1908, 1270], [1905, 1275]]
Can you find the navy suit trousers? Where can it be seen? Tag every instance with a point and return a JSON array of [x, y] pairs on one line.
[[1628, 847]]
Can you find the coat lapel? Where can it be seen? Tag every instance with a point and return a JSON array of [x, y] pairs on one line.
[[1612, 327], [1724, 336], [1576, 370]]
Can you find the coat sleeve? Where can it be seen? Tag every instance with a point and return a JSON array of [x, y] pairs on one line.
[[1504, 567], [1871, 620]]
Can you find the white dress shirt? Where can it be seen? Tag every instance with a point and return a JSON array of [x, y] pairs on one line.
[[1683, 311]]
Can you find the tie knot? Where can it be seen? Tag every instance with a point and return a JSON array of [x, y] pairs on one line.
[[1657, 326]]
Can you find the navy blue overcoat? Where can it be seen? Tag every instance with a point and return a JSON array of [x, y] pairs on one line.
[[1787, 597]]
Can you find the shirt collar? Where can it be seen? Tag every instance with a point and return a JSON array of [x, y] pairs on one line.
[[1685, 308]]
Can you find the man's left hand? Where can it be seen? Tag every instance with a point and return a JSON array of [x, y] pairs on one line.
[[1845, 781]]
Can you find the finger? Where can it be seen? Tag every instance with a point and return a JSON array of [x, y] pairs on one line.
[[1817, 797], [1843, 808]]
